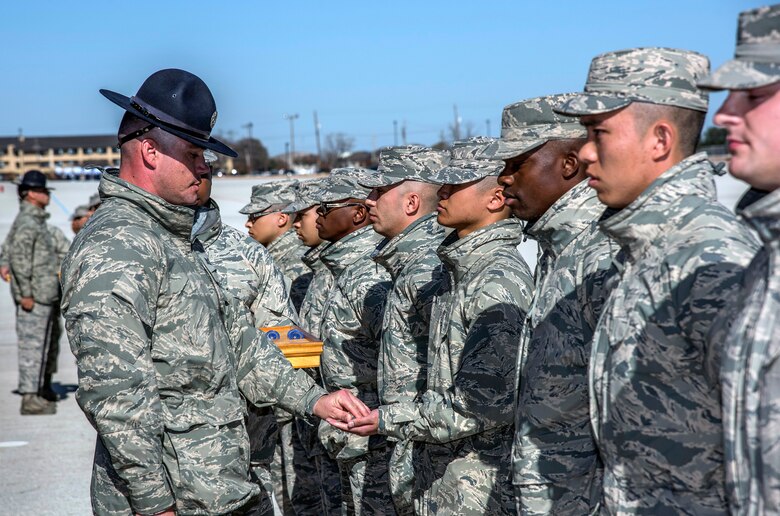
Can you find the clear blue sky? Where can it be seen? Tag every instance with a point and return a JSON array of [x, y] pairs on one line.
[[361, 65]]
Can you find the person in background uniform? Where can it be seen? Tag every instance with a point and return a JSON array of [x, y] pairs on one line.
[[402, 208], [79, 217], [556, 469], [655, 395], [326, 477], [351, 333], [273, 228], [464, 419], [750, 372], [94, 200], [34, 250], [246, 271], [166, 360]]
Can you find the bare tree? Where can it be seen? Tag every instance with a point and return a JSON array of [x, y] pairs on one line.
[[337, 146]]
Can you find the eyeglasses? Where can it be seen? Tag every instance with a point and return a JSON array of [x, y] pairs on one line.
[[253, 217], [326, 207]]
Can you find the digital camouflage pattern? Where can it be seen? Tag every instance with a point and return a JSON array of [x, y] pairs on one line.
[[160, 377], [351, 333], [655, 394], [246, 271], [304, 196], [287, 252], [756, 60], [554, 458], [417, 275], [321, 283], [531, 123], [750, 374], [406, 163], [270, 197], [665, 76], [32, 250], [470, 160], [464, 420]]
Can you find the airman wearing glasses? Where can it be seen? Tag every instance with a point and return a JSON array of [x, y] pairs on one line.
[[351, 328]]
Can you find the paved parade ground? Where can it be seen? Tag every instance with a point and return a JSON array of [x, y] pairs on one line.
[[45, 461]]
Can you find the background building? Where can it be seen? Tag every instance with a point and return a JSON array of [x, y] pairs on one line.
[[66, 157]]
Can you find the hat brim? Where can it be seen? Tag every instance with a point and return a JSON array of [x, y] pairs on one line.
[[453, 175], [378, 180], [295, 207], [212, 143], [592, 104], [741, 75], [508, 149], [251, 209]]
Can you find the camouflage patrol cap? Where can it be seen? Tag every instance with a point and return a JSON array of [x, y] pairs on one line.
[[470, 160], [270, 197], [757, 56], [530, 123], [79, 212], [406, 163], [664, 76], [304, 196], [344, 183]]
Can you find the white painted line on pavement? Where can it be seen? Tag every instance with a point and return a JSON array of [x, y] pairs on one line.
[[12, 444]]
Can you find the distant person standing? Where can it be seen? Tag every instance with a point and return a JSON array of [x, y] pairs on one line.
[[79, 217], [33, 259], [750, 372]]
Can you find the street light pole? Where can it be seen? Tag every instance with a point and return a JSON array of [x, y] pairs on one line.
[[292, 118], [395, 133], [247, 152]]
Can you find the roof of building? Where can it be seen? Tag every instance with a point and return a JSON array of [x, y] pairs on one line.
[[36, 143]]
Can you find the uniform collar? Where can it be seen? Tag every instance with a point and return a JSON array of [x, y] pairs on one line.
[[29, 208], [395, 253], [460, 254], [208, 224], [176, 219], [762, 211], [668, 199], [576, 210], [340, 254]]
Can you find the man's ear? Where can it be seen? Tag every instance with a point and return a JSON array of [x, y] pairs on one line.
[[150, 152], [412, 203], [282, 219], [496, 200], [360, 214], [571, 165], [663, 137]]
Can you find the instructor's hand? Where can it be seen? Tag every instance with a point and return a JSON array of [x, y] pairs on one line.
[[5, 273], [27, 304], [341, 406]]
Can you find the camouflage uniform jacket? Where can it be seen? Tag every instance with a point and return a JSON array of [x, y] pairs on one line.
[[314, 300], [287, 251], [351, 331], [246, 269], [159, 377], [417, 273], [33, 256], [553, 438], [655, 394], [465, 417], [750, 372]]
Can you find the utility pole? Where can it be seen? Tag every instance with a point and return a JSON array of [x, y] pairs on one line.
[[487, 124], [287, 154], [317, 136], [456, 127], [247, 148], [403, 132], [292, 118], [395, 133]]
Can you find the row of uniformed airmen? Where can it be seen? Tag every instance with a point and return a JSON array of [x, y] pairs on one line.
[[632, 373]]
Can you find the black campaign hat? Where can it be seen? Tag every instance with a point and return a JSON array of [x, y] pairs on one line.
[[33, 179], [177, 102]]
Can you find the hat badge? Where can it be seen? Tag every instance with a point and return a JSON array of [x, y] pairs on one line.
[[213, 119]]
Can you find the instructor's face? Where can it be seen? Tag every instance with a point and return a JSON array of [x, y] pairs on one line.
[[179, 175]]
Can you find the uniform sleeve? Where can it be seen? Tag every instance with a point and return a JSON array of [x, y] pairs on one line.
[[20, 257], [109, 316], [482, 395], [712, 276], [61, 242], [265, 376]]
